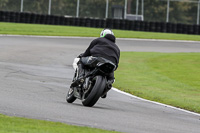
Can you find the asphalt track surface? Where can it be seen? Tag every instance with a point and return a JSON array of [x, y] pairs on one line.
[[35, 74]]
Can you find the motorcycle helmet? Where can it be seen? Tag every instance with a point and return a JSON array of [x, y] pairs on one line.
[[105, 32]]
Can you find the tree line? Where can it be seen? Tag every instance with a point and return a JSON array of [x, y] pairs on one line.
[[154, 10]]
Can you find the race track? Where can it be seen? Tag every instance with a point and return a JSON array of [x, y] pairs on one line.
[[35, 74]]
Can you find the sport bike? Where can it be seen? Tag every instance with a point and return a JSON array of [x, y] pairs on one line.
[[93, 84]]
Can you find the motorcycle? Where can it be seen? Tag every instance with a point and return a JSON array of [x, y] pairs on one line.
[[93, 84]]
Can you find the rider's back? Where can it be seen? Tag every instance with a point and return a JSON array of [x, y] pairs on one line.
[[105, 47]]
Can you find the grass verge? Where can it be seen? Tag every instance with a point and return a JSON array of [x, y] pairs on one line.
[[52, 30], [170, 78], [22, 125]]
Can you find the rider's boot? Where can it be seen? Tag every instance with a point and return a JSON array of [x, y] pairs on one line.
[[108, 87], [111, 80]]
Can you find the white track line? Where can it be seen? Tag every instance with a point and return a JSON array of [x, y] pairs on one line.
[[128, 39], [122, 92], [36, 36]]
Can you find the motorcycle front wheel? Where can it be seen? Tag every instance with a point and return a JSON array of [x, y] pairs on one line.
[[98, 86], [70, 98]]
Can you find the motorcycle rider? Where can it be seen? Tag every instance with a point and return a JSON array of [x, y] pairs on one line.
[[105, 47]]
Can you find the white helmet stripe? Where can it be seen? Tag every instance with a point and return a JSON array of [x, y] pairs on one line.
[[105, 32]]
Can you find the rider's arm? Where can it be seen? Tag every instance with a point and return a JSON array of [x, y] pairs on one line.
[[87, 52]]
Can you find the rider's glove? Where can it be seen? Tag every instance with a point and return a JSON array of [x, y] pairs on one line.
[[80, 55]]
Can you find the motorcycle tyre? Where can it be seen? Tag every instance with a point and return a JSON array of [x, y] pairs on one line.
[[70, 98], [96, 92]]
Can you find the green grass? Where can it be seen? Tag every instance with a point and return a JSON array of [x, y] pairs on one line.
[[22, 125], [51, 30], [170, 78]]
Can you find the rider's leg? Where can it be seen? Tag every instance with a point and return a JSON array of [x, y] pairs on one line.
[[80, 70], [80, 74]]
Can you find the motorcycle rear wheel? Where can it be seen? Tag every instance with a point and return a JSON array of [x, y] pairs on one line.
[[96, 92]]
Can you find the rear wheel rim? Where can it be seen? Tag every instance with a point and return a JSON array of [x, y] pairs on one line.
[[87, 92]]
